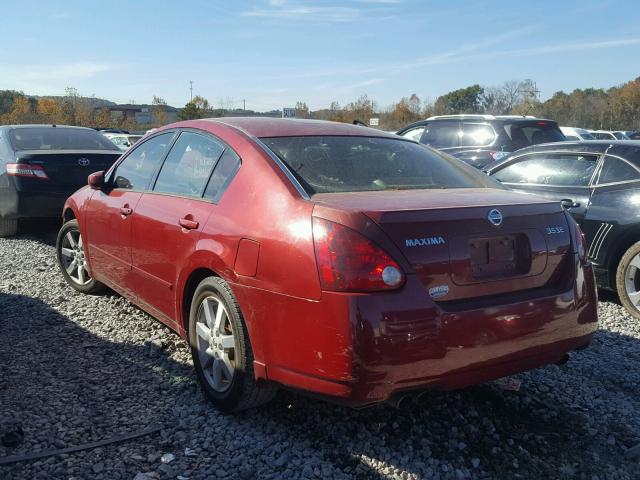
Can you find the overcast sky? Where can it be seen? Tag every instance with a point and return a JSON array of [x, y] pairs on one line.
[[274, 52]]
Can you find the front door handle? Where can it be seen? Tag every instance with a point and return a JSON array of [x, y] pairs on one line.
[[126, 211], [568, 203], [188, 223]]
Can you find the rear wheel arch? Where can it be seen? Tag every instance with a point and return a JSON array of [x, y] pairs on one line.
[[190, 285], [68, 215]]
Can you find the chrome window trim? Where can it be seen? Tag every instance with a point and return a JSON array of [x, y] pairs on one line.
[[596, 171], [303, 193]]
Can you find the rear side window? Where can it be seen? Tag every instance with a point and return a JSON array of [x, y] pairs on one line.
[[414, 134], [58, 138], [616, 170], [524, 134], [222, 175], [442, 134], [330, 164], [138, 167], [188, 165], [550, 169], [477, 135]]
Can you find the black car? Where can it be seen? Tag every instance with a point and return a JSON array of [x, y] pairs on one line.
[[482, 139], [41, 165], [599, 183]]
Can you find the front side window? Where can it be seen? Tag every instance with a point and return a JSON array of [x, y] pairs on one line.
[[442, 134], [549, 169], [414, 134], [331, 164], [138, 167], [188, 165], [477, 135], [616, 170], [58, 138]]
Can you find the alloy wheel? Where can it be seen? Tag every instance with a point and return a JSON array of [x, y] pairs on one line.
[[73, 258], [632, 281], [216, 343]]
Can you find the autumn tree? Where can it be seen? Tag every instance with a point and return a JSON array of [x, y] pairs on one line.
[[302, 111], [159, 111], [197, 108]]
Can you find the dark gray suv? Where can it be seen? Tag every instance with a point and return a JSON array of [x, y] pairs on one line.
[[482, 139]]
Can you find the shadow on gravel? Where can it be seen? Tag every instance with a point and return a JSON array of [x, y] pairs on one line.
[[40, 230], [66, 386]]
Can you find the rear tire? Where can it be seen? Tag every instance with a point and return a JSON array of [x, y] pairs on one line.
[[221, 350], [8, 227], [70, 253], [628, 280]]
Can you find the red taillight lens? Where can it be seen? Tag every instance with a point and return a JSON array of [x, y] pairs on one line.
[[26, 170], [348, 261]]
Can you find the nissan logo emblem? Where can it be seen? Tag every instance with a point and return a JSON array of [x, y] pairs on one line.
[[83, 162], [495, 217]]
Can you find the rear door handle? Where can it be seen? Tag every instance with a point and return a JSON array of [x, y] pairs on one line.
[[568, 203], [188, 224], [126, 211]]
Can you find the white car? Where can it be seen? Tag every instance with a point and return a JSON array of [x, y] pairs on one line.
[[575, 133], [608, 135], [122, 141]]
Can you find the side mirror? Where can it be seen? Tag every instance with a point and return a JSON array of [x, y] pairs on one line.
[[96, 180]]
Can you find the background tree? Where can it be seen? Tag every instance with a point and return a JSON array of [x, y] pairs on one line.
[[159, 111], [302, 110], [463, 100]]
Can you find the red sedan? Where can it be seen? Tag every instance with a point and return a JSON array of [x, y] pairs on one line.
[[330, 258]]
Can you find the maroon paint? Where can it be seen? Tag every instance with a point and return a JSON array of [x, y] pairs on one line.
[[359, 347]]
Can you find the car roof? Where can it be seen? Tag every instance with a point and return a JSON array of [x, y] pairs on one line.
[[262, 127], [44, 125], [503, 119]]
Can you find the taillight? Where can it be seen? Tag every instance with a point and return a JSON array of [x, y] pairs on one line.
[[348, 261], [578, 242], [26, 170], [581, 244]]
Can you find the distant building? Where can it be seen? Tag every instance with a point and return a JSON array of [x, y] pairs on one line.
[[141, 114]]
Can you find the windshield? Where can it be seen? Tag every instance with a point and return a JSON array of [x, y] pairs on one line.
[[57, 138], [331, 164]]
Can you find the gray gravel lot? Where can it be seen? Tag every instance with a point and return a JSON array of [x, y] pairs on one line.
[[76, 369]]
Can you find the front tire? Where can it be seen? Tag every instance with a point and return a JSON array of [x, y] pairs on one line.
[[628, 280], [72, 260], [221, 349]]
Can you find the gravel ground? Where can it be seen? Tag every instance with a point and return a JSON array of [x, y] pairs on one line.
[[76, 369]]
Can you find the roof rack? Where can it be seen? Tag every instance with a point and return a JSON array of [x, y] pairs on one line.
[[464, 115]]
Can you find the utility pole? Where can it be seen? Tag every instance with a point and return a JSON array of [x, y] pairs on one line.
[[244, 105], [191, 88]]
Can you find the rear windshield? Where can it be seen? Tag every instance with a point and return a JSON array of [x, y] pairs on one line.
[[331, 164], [524, 134], [52, 138]]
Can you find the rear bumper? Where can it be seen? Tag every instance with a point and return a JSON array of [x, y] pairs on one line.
[[34, 205], [363, 349]]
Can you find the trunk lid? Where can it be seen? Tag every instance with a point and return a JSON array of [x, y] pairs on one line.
[[67, 170], [456, 249]]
